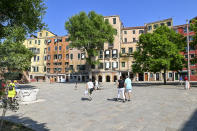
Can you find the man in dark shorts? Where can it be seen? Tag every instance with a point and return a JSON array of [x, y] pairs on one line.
[[121, 88]]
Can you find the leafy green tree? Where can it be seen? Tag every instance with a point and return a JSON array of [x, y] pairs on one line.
[[89, 32], [159, 51], [193, 26]]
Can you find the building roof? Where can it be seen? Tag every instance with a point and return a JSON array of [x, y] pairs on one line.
[[112, 16], [178, 26], [158, 21], [130, 28]]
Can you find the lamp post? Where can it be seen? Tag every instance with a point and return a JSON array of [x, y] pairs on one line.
[[188, 48]]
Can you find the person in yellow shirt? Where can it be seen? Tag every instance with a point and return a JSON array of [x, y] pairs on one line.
[[11, 90]]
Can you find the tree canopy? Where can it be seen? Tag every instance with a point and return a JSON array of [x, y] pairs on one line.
[[89, 32], [159, 51], [20, 17], [193, 26]]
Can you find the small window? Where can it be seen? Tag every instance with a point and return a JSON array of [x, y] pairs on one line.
[[48, 48], [133, 31], [155, 26], [192, 72], [60, 56], [130, 50], [125, 32], [107, 53], [79, 56], [71, 56], [123, 50], [67, 39], [71, 67], [60, 48], [34, 58], [40, 34], [114, 53], [55, 48], [141, 31], [30, 42], [149, 27], [78, 67], [134, 40], [107, 65], [82, 56], [55, 56], [48, 57], [45, 58], [100, 66], [46, 33], [162, 24], [38, 42], [192, 56], [123, 64], [169, 23], [114, 20], [35, 41], [101, 54], [67, 56], [125, 40], [114, 64], [67, 47], [38, 58], [170, 75]]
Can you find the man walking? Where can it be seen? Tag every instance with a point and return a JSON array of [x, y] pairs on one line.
[[121, 89], [128, 87], [90, 88]]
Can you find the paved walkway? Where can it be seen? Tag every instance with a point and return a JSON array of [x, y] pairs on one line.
[[153, 108]]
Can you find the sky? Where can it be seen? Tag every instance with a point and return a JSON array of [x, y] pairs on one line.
[[132, 12]]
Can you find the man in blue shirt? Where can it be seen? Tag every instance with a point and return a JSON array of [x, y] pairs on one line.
[[128, 87]]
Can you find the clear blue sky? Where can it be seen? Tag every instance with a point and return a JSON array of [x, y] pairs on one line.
[[131, 12]]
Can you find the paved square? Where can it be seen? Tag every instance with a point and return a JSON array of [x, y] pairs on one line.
[[153, 108]]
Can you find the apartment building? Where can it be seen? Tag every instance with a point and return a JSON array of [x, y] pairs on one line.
[[182, 29], [108, 69], [130, 37], [150, 27], [37, 44]]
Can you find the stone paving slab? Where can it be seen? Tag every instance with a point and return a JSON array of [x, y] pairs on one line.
[[153, 108]]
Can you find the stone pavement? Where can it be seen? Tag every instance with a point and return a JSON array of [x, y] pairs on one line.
[[153, 108]]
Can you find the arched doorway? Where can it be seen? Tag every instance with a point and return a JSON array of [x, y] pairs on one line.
[[115, 78], [107, 78], [100, 79]]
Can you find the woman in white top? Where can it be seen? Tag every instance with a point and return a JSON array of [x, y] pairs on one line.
[[90, 88]]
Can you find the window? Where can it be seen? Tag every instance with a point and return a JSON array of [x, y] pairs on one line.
[[155, 26], [48, 48], [37, 69], [55, 40], [114, 64], [67, 39], [38, 42], [67, 56], [141, 31], [35, 41], [48, 70], [186, 56], [78, 67], [191, 38], [107, 65], [60, 56], [100, 66], [192, 55], [133, 31], [107, 53], [46, 33], [60, 48], [192, 72], [170, 75], [59, 40], [101, 54], [45, 69], [123, 64], [55, 57], [114, 20], [38, 58], [125, 40], [34, 58], [162, 24], [49, 41], [114, 53], [67, 47], [125, 32], [134, 40], [45, 50], [40, 34], [79, 56], [130, 50], [55, 48], [30, 42], [169, 23], [71, 56], [37, 51], [150, 27], [59, 69], [82, 56], [92, 66], [151, 75], [48, 57], [45, 58], [71, 67], [66, 63], [123, 50]]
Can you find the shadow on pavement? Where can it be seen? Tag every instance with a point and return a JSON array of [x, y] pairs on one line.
[[191, 124], [28, 122], [26, 86], [115, 99], [85, 99]]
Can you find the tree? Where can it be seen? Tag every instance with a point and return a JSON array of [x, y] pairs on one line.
[[24, 16], [193, 27], [159, 51], [89, 32]]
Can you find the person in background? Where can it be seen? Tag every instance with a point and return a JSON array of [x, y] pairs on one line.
[[128, 87], [96, 85], [90, 88]]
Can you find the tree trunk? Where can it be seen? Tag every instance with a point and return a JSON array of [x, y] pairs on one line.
[[164, 76], [2, 118]]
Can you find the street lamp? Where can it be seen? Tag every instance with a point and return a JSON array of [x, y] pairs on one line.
[[188, 48]]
